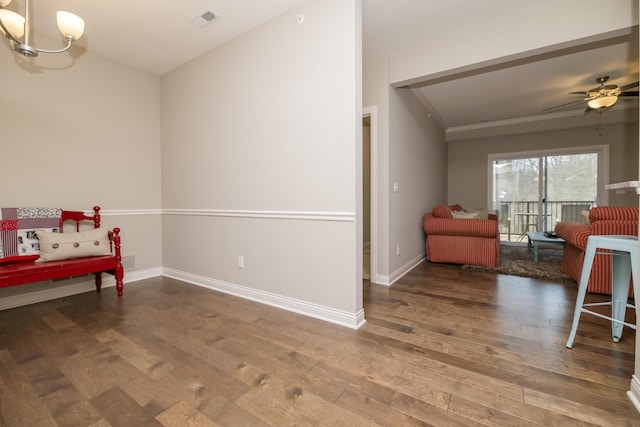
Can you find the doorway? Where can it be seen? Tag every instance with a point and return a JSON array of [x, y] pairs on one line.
[[369, 174]]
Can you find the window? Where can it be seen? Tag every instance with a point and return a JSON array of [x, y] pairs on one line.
[[534, 191]]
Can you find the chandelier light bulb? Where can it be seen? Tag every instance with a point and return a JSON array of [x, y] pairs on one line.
[[71, 26], [13, 22]]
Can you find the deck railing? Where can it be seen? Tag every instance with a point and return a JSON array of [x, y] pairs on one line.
[[516, 218]]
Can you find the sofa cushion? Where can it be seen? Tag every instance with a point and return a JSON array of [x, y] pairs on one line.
[[460, 227], [623, 213], [616, 227]]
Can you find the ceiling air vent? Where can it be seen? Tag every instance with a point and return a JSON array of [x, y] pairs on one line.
[[205, 18]]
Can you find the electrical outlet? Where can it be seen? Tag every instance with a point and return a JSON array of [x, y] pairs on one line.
[[398, 250], [240, 262]]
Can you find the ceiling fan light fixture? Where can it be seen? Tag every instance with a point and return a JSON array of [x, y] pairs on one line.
[[602, 102]]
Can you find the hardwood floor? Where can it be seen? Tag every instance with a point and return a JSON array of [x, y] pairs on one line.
[[442, 347]]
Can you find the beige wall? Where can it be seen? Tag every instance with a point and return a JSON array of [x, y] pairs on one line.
[[411, 152], [418, 164], [375, 93], [468, 174], [79, 134], [243, 176]]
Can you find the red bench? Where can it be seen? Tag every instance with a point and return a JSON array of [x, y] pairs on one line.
[[19, 273]]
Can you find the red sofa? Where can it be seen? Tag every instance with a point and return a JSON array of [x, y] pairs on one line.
[[603, 220], [459, 240]]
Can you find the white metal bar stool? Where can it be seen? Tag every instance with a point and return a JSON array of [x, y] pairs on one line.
[[624, 250]]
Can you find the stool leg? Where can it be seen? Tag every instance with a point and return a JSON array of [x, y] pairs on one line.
[[634, 278], [589, 254], [621, 273]]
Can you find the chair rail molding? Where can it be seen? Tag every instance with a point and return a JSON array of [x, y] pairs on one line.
[[301, 215]]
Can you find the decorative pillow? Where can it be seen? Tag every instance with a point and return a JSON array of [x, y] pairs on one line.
[[441, 212], [585, 217], [464, 215], [59, 246], [18, 241], [482, 213]]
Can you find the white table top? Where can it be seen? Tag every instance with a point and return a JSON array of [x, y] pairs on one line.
[[538, 236], [624, 185]]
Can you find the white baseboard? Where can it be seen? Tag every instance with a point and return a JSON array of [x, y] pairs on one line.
[[634, 392], [328, 314], [389, 280], [87, 285]]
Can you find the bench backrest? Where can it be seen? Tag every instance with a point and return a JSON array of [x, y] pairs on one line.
[[79, 216]]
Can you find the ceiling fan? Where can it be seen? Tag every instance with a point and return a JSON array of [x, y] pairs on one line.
[[601, 97]]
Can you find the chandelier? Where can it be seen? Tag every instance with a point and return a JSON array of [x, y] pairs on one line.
[[17, 29]]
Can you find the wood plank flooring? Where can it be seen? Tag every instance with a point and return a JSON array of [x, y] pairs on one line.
[[441, 347]]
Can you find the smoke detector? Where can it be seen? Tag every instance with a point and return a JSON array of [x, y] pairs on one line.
[[205, 18]]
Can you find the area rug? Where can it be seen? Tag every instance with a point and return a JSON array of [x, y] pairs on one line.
[[518, 261]]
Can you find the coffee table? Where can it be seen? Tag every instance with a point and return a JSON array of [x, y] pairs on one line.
[[538, 240]]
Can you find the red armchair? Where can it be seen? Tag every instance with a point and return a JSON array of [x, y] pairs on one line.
[[603, 220], [460, 240]]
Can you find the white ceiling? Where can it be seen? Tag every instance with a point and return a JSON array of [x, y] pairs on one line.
[[154, 35], [158, 36], [530, 88], [537, 90]]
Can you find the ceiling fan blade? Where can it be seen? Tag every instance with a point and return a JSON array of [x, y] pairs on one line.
[[629, 86], [564, 105], [578, 93], [628, 93]]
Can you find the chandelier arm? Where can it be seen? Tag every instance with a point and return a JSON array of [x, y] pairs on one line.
[[64, 49], [27, 22]]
